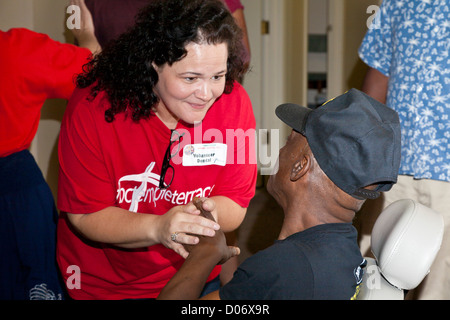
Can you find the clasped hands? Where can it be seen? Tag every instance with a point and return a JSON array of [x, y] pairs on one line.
[[195, 232]]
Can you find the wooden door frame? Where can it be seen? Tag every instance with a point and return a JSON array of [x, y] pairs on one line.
[[335, 73]]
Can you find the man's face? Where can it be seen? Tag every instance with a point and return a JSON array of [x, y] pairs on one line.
[[289, 155]]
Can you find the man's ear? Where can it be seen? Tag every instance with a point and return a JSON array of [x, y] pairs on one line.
[[300, 167]]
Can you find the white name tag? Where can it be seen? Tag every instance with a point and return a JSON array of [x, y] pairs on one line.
[[195, 155]]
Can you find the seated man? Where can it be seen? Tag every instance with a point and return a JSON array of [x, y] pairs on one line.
[[337, 156]]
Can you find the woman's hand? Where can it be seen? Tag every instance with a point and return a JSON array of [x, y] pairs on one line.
[[182, 225]]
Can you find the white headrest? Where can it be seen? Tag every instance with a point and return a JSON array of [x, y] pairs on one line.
[[405, 240]]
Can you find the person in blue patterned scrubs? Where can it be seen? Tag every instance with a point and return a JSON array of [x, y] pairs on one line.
[[407, 51]]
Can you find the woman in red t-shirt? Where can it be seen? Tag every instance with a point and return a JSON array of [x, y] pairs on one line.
[[156, 120]]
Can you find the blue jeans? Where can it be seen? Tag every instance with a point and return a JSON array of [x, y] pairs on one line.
[[28, 216]]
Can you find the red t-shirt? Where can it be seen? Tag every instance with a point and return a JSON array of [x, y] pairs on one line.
[[118, 164], [34, 68]]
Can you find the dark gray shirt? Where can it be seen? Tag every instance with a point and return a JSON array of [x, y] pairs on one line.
[[322, 262]]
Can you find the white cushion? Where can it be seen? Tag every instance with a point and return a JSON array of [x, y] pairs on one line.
[[405, 241]]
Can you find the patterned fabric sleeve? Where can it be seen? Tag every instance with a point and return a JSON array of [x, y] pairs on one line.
[[409, 42], [376, 48]]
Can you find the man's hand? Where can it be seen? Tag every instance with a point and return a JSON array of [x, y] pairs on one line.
[[212, 246], [188, 282]]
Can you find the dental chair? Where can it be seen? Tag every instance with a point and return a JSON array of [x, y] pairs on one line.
[[405, 241]]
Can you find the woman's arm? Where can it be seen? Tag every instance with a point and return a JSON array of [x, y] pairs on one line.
[[131, 230], [229, 214], [240, 21]]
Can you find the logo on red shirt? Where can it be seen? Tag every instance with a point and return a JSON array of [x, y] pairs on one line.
[[146, 190]]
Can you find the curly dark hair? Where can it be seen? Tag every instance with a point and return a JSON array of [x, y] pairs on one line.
[[162, 31]]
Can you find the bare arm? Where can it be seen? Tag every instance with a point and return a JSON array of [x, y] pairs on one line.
[[85, 35], [229, 214], [131, 230], [376, 85], [127, 229], [240, 21], [188, 282]]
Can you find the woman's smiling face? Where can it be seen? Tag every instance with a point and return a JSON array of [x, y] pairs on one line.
[[189, 87]]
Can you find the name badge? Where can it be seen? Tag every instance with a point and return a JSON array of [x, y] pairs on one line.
[[195, 155]]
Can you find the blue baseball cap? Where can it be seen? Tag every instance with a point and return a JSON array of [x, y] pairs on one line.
[[355, 139]]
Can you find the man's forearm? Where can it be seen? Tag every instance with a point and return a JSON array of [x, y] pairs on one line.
[[189, 281]]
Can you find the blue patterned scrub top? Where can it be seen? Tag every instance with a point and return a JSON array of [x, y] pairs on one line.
[[409, 42]]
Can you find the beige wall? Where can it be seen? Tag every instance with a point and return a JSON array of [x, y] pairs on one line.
[[355, 27], [348, 25], [296, 63], [45, 16]]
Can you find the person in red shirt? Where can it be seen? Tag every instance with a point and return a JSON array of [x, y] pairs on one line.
[[114, 17], [157, 119], [34, 68]]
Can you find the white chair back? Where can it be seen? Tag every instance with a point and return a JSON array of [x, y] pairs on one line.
[[405, 241]]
